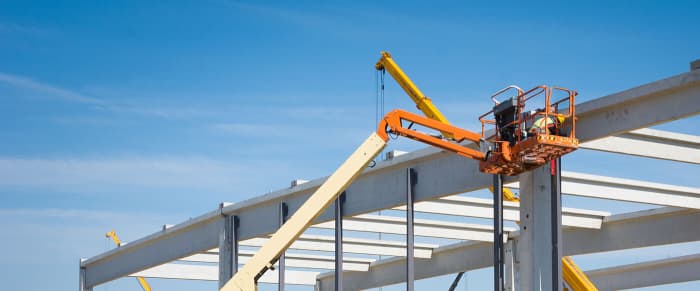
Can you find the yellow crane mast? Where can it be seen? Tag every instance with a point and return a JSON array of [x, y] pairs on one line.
[[423, 103], [113, 235]]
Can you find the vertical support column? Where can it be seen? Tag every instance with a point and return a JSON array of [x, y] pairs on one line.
[[535, 249], [81, 283], [509, 266], [497, 232], [555, 204], [280, 261], [339, 241], [412, 179], [228, 249]]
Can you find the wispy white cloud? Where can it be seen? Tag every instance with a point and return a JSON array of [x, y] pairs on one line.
[[97, 175], [49, 90], [68, 95], [61, 213], [7, 27]]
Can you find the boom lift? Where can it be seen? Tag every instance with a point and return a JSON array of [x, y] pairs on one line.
[[113, 235], [573, 276], [507, 150], [491, 161]]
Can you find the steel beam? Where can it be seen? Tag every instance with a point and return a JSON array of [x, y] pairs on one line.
[[339, 242], [411, 180], [619, 232], [81, 282], [498, 253], [228, 250], [646, 274], [651, 143], [281, 261], [379, 187], [555, 223]]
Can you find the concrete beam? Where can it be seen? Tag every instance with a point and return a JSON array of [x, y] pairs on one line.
[[211, 273], [350, 245], [172, 243], [619, 232], [596, 186], [294, 260], [382, 187], [651, 143], [646, 274], [483, 208], [423, 227]]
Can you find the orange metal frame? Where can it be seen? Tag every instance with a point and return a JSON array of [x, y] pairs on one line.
[[527, 152], [392, 123], [510, 160]]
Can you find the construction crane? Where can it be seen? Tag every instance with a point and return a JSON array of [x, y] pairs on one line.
[[573, 276], [503, 152], [113, 235]]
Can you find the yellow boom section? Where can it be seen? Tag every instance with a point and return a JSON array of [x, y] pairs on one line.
[[267, 255], [576, 278], [422, 102], [507, 195], [113, 235]]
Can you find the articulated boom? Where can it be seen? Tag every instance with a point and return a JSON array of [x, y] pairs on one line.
[[392, 123]]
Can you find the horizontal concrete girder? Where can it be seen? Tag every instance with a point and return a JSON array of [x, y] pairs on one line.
[[294, 260], [422, 227], [618, 232], [651, 143], [351, 245], [383, 187], [211, 273], [646, 274], [483, 208], [604, 187]]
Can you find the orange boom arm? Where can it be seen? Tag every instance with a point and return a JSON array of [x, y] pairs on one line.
[[392, 123]]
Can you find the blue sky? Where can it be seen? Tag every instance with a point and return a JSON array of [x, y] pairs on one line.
[[130, 115]]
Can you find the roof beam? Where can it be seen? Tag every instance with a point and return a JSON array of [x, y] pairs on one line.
[[595, 186], [651, 143], [293, 260], [483, 208], [383, 187], [619, 232], [588, 185], [350, 245], [422, 227], [646, 274], [211, 273]]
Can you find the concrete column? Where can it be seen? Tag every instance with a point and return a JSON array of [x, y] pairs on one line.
[[228, 250], [509, 264], [534, 246]]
